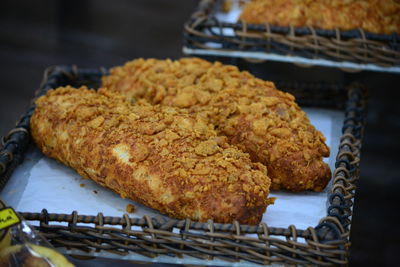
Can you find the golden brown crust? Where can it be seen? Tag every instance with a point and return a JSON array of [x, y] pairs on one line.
[[374, 16], [252, 113], [158, 156]]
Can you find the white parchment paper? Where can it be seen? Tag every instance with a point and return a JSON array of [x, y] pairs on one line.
[[232, 15]]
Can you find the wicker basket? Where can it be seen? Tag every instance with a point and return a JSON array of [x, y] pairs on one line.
[[204, 32], [325, 244]]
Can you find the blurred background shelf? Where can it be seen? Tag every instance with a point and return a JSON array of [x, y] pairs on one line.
[[215, 28]]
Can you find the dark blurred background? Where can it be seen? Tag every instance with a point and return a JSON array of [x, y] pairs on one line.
[[88, 33]]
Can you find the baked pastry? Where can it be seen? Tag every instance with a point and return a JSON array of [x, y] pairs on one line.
[[252, 113], [159, 156], [375, 16]]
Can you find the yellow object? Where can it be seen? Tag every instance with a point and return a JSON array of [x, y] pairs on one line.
[[5, 239], [32, 255], [51, 255], [8, 217]]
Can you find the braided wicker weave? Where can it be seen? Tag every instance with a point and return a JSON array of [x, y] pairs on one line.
[[325, 244], [358, 46]]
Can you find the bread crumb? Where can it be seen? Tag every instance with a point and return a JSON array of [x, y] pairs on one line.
[[82, 185], [130, 208]]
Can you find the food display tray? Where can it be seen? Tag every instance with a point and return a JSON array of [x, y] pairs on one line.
[[162, 239], [211, 31]]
